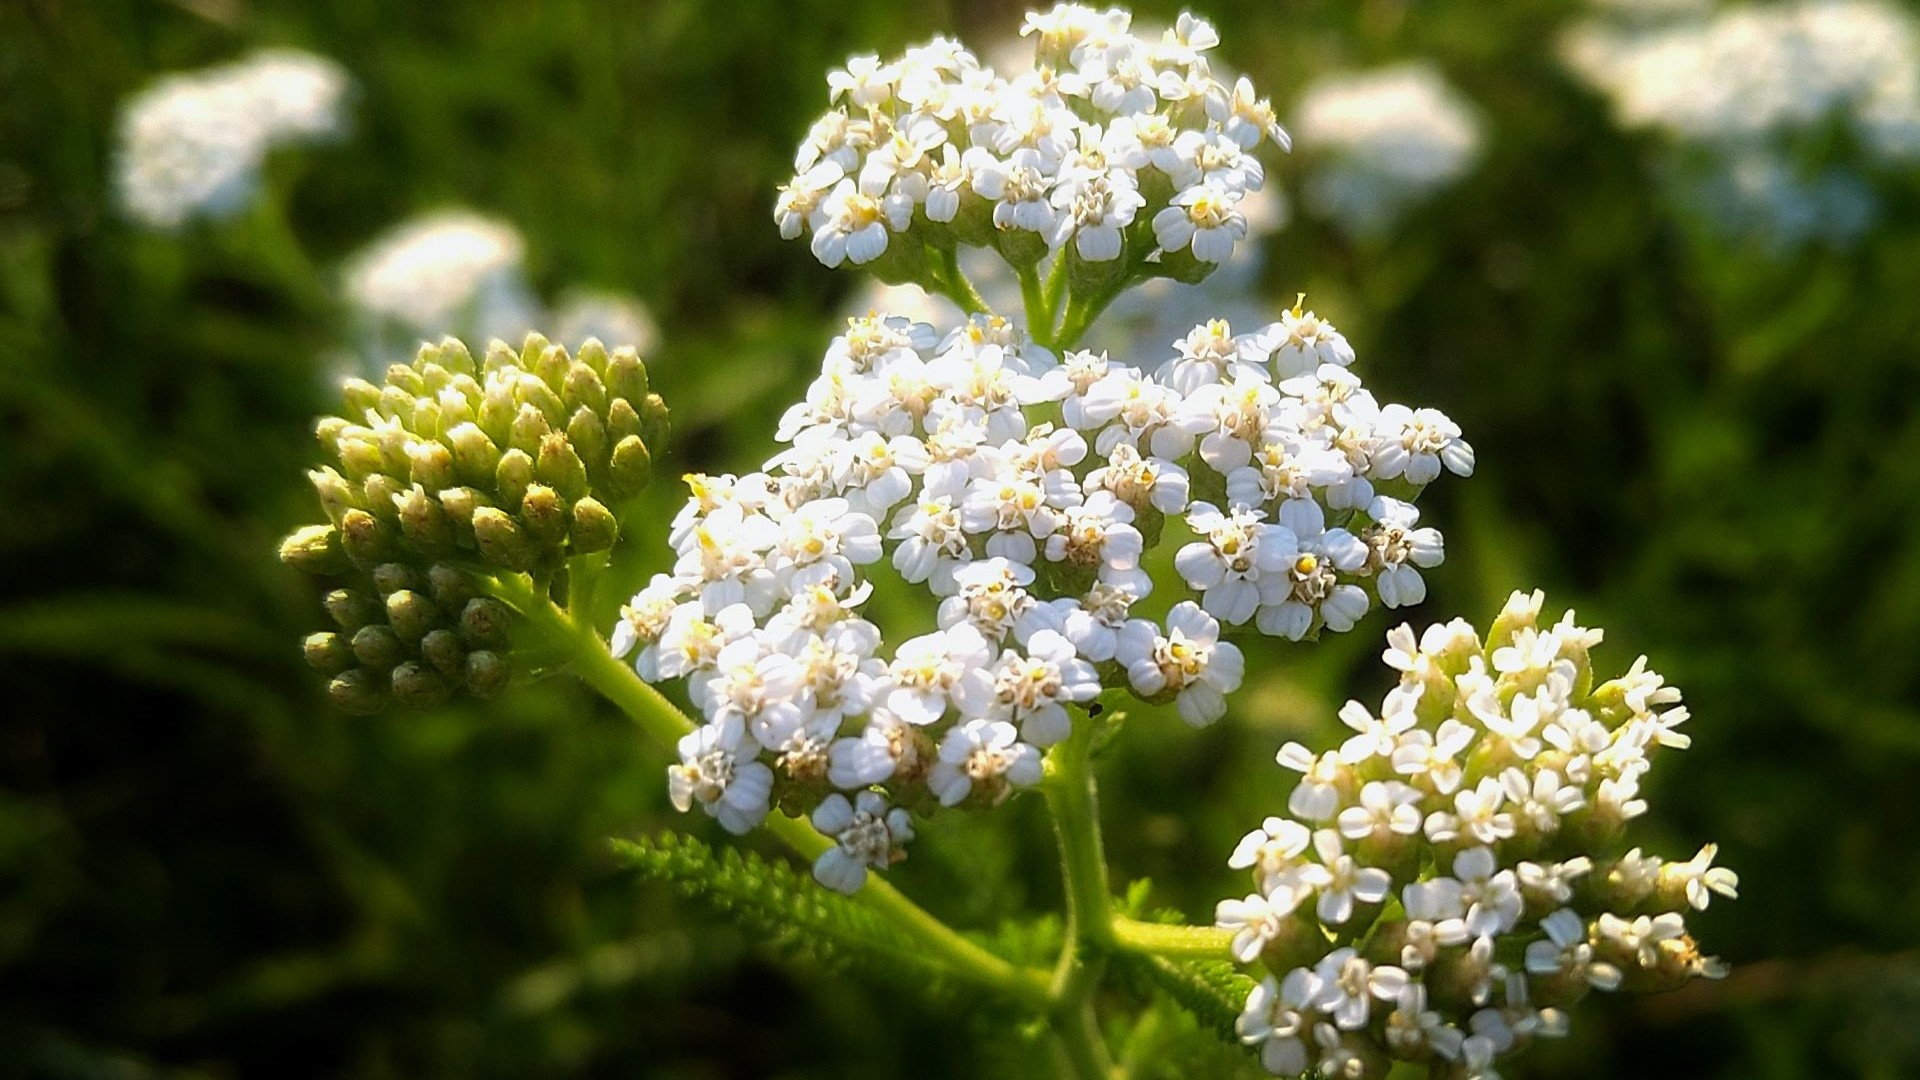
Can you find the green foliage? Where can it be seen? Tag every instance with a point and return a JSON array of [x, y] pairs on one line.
[[1214, 992], [785, 908]]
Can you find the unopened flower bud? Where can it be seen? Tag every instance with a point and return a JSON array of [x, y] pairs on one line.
[[430, 465], [451, 588], [630, 468], [390, 578], [583, 389], [474, 455], [487, 673], [358, 691], [588, 437], [460, 504], [653, 420], [550, 362], [424, 523], [534, 393], [544, 514], [502, 542], [351, 610], [622, 419], [336, 494], [529, 428], [376, 646], [484, 622], [560, 468], [442, 649], [360, 457], [411, 614], [418, 686], [329, 652], [593, 353], [594, 527], [626, 374], [512, 478], [365, 539], [452, 354], [314, 549]]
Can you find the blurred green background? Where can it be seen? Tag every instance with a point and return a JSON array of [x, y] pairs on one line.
[[1706, 445]]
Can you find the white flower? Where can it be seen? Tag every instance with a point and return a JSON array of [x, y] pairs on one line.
[[1203, 218], [991, 595], [1278, 1017], [1317, 796], [1387, 809], [192, 145], [931, 671], [1272, 848], [1239, 562], [854, 225], [1565, 951], [1478, 816], [1189, 661], [1350, 984], [1255, 920], [1491, 895], [985, 754], [1383, 140], [1399, 549], [801, 201], [866, 833], [1343, 883], [1376, 736], [450, 272], [1415, 443], [731, 788], [1212, 353], [1301, 342], [1032, 690]]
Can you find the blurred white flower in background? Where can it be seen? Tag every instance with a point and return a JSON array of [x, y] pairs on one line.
[[448, 272], [192, 145], [1378, 142], [1756, 93], [615, 318]]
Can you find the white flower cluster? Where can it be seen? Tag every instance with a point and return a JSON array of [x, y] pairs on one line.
[[1022, 490], [1114, 144], [1756, 88], [1449, 879], [449, 272], [460, 274], [1381, 141], [192, 145]]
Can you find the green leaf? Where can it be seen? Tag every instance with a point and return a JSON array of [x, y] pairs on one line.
[[1214, 992], [785, 908]]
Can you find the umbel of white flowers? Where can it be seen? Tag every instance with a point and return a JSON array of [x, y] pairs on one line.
[[192, 145], [1022, 490], [1123, 154], [1455, 874]]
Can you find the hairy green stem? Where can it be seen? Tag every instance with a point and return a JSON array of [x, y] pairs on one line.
[[1176, 942], [1033, 299], [664, 724], [1056, 288], [1073, 800], [952, 283]]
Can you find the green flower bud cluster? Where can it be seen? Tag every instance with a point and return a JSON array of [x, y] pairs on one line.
[[451, 469]]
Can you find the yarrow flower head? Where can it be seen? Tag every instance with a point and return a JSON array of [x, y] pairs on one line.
[[1488, 796], [192, 145], [447, 273], [1381, 141], [1117, 152], [1756, 91], [1020, 489]]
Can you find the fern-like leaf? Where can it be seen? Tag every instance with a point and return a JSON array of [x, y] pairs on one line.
[[1214, 992], [784, 908]]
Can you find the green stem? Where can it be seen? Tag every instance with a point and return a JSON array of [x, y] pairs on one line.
[[1055, 289], [951, 282], [1033, 299], [1072, 797], [1176, 942], [1074, 802], [664, 724]]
